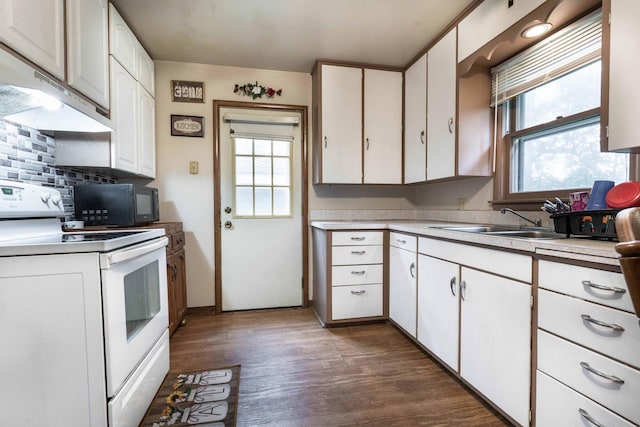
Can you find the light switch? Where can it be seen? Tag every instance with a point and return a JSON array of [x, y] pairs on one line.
[[193, 167]]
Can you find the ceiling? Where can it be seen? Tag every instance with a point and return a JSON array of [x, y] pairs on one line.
[[287, 35]]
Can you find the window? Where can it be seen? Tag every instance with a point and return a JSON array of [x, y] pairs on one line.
[[262, 178], [547, 102]]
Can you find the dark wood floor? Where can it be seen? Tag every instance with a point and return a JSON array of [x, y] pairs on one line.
[[296, 373]]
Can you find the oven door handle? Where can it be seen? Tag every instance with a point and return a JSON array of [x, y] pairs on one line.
[[136, 251]]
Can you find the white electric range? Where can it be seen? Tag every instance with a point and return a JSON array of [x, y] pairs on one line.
[[83, 316]]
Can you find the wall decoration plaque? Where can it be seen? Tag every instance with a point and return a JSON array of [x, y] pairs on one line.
[[187, 91], [187, 125]]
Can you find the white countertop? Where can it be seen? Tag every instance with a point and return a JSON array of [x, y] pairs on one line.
[[575, 248]]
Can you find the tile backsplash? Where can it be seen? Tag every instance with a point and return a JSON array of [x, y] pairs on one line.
[[27, 155]]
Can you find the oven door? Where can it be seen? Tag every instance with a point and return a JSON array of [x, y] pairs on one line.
[[134, 293]]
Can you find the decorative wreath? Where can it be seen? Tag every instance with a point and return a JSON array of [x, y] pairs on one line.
[[256, 90]]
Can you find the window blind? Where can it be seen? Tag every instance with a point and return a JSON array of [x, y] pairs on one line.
[[567, 50], [261, 127]]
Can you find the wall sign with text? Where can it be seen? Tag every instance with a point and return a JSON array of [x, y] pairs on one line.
[[186, 91], [187, 125]]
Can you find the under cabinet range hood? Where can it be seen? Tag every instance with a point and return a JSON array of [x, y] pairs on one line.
[[31, 98]]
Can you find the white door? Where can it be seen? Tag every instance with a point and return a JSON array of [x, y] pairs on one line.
[[261, 214], [415, 122], [402, 288]]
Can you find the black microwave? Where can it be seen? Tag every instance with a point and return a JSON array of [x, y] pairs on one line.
[[122, 205]]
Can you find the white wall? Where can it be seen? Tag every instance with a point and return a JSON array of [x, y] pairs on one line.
[[189, 198]]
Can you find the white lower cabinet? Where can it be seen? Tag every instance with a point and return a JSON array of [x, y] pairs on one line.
[[348, 276], [403, 267], [439, 308], [559, 405], [588, 347], [494, 333]]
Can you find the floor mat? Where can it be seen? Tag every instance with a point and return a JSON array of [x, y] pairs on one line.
[[206, 398]]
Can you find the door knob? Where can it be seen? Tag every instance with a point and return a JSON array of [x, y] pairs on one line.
[[228, 225], [227, 209]]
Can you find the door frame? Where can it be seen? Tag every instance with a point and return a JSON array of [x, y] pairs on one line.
[[217, 208]]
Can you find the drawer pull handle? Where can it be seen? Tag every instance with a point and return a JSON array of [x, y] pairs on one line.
[[358, 273], [358, 292], [613, 326], [603, 287], [584, 414], [452, 285], [411, 268], [611, 378], [402, 242], [358, 252], [358, 239]]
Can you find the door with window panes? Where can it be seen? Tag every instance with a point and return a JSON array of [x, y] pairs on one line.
[[260, 194]]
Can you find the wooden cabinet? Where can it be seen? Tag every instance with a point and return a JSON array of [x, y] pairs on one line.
[[132, 102], [382, 127], [403, 273], [88, 48], [415, 122], [588, 344], [441, 108], [358, 138], [176, 273], [620, 86], [439, 308], [348, 276], [35, 29], [494, 344], [488, 20]]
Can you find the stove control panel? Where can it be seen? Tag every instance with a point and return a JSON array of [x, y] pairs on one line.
[[20, 200]]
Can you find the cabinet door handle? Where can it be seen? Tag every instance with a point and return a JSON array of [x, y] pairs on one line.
[[584, 414], [452, 285], [358, 252], [325, 142], [358, 239], [422, 137], [611, 378], [411, 268], [358, 292], [603, 287], [367, 140], [358, 273], [450, 124], [613, 326], [463, 290]]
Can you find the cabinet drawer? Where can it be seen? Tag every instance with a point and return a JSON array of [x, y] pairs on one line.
[[356, 274], [342, 238], [509, 264], [562, 316], [558, 405], [603, 287], [351, 302], [562, 360], [404, 241], [350, 255]]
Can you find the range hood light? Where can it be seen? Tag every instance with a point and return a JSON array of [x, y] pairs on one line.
[[41, 99]]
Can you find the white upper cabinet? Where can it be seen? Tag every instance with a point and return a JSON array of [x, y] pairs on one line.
[[488, 20], [124, 115], [341, 129], [35, 29], [622, 90], [146, 70], [124, 45], [146, 133], [441, 108], [415, 122], [382, 127], [88, 48]]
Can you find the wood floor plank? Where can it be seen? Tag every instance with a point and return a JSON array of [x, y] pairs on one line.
[[296, 373]]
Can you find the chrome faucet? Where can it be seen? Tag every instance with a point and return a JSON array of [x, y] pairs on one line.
[[536, 223]]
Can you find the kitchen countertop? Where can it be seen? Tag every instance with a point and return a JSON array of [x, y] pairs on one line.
[[576, 248]]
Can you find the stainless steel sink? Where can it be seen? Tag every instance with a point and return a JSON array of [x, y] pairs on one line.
[[506, 231]]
